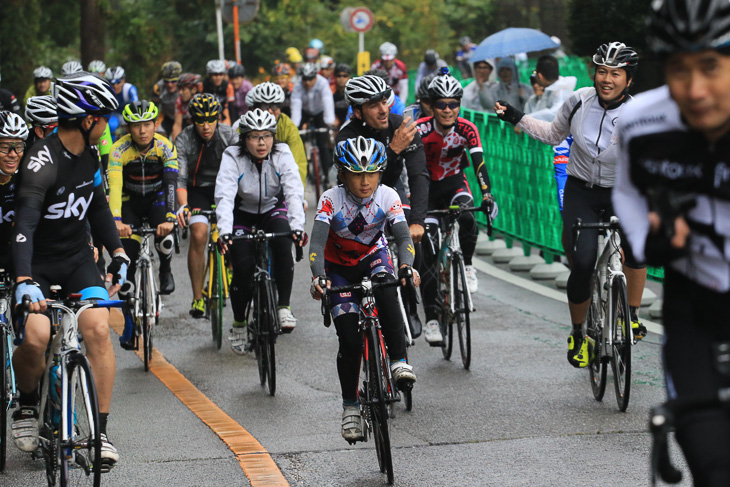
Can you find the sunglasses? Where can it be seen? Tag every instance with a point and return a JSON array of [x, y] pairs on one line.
[[18, 147], [342, 75], [267, 106], [442, 105], [209, 120]]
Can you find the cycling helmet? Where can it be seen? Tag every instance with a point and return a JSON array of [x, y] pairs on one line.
[[187, 80], [281, 69], [140, 111], [256, 119], [326, 62], [267, 92], [236, 71], [171, 71], [343, 68], [311, 54], [12, 126], [380, 73], [215, 66], [71, 67], [115, 74], [366, 88], [204, 105], [616, 55], [41, 110], [464, 41], [358, 155], [42, 72], [293, 54], [84, 94], [422, 91], [681, 25], [445, 86], [431, 57], [97, 66], [317, 44], [388, 51], [309, 71]]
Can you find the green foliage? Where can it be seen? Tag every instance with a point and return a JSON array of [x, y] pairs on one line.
[[594, 22]]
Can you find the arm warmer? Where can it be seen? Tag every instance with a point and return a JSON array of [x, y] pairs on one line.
[[406, 251], [317, 242]]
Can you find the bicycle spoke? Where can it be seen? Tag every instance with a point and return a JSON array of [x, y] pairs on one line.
[[621, 359]]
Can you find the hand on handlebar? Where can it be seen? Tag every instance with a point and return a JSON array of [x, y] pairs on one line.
[[300, 237], [123, 229], [223, 242], [319, 283], [183, 216], [406, 273]]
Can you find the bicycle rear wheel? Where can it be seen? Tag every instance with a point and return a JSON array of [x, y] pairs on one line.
[[317, 172], [621, 358], [145, 292], [80, 455], [215, 299], [461, 304], [48, 440], [378, 390], [6, 391], [594, 329]]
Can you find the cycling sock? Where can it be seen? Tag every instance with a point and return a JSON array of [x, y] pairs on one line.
[[103, 417], [350, 403], [634, 313], [28, 399], [578, 328]]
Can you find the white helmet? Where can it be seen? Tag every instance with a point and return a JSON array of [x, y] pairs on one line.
[[12, 126], [41, 110], [71, 67], [256, 120], [216, 66], [115, 74], [388, 51], [267, 92], [445, 86], [84, 94], [326, 62], [309, 70], [42, 72], [366, 88], [97, 66]]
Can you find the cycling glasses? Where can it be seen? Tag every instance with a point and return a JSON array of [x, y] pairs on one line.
[[204, 120], [267, 106], [442, 105], [259, 138], [18, 147]]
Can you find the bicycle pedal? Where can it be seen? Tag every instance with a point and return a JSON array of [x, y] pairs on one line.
[[435, 344]]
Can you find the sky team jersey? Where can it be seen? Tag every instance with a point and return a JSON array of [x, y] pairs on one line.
[[356, 229], [444, 153]]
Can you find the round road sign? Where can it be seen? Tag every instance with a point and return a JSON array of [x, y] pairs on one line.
[[361, 19]]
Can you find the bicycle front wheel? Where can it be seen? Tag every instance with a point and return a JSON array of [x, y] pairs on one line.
[[461, 313], [594, 329], [266, 320], [80, 447], [445, 317], [621, 357], [6, 390], [378, 390], [145, 292], [215, 298]]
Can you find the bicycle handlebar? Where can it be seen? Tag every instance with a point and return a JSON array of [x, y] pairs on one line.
[[260, 235], [454, 211], [350, 287], [314, 130], [612, 224], [144, 231]]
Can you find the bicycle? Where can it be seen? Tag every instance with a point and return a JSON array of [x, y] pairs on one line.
[[215, 292], [377, 392], [69, 439], [608, 322], [147, 301], [453, 298], [261, 312], [8, 390], [315, 173]]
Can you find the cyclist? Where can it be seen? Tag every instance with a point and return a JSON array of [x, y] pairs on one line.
[[41, 115], [295, 59], [71, 67], [673, 140], [395, 104], [343, 73], [327, 69], [251, 176], [143, 174], [42, 84], [189, 86], [281, 74], [199, 150], [215, 84], [97, 67], [60, 185], [348, 244], [167, 91], [238, 87], [371, 118], [446, 137], [396, 69], [8, 101], [466, 49], [589, 114], [312, 103], [432, 64], [479, 94], [422, 107], [125, 93], [13, 134], [317, 44]]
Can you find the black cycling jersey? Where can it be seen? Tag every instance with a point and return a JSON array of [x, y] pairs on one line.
[[7, 216], [58, 194], [413, 157]]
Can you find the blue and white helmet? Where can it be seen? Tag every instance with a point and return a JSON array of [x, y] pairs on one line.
[[358, 155], [84, 94], [115, 74]]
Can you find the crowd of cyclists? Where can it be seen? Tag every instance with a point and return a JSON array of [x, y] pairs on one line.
[[90, 160]]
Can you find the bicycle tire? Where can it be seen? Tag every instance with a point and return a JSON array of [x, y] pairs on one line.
[[81, 462], [317, 173], [597, 368], [408, 395], [144, 293], [270, 332], [214, 296], [621, 357], [378, 403], [259, 344], [6, 391], [461, 316], [48, 440], [445, 318]]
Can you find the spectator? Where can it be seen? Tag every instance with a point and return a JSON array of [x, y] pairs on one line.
[[509, 88], [479, 94], [466, 48], [238, 87], [431, 64], [396, 69], [557, 88], [537, 91]]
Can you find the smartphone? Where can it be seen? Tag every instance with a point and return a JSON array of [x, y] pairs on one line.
[[409, 112]]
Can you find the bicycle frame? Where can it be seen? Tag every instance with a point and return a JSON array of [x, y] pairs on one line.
[[448, 235], [4, 323], [144, 267]]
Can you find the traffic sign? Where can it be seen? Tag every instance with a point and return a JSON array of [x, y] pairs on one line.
[[361, 19], [247, 10]]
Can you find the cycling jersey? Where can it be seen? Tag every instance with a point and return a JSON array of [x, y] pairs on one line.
[[221, 94], [7, 215], [167, 99], [424, 70], [9, 102], [444, 153], [134, 174], [658, 149], [398, 76], [60, 193], [198, 161], [127, 96], [316, 101], [32, 92]]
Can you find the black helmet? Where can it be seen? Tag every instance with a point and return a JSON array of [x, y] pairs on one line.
[[683, 25], [343, 68], [616, 55], [431, 57], [422, 91], [236, 71]]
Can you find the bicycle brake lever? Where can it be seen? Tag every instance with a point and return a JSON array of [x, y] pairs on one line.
[[299, 252]]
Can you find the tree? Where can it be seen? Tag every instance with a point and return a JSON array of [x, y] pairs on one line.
[[92, 32]]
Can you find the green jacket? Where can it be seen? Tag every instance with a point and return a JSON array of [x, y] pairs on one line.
[[288, 133]]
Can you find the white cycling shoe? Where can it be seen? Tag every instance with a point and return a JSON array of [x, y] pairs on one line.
[[287, 320], [352, 424], [432, 332]]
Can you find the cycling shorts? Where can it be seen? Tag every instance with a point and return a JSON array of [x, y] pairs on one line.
[[138, 207], [200, 199], [449, 191], [74, 274]]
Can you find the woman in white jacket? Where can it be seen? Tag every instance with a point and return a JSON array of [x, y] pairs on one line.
[[252, 174]]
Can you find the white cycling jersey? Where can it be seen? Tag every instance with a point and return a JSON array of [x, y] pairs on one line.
[[315, 101]]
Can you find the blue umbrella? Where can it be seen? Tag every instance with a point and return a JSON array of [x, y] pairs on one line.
[[510, 41]]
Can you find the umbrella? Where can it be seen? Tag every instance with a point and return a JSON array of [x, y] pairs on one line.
[[512, 41]]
